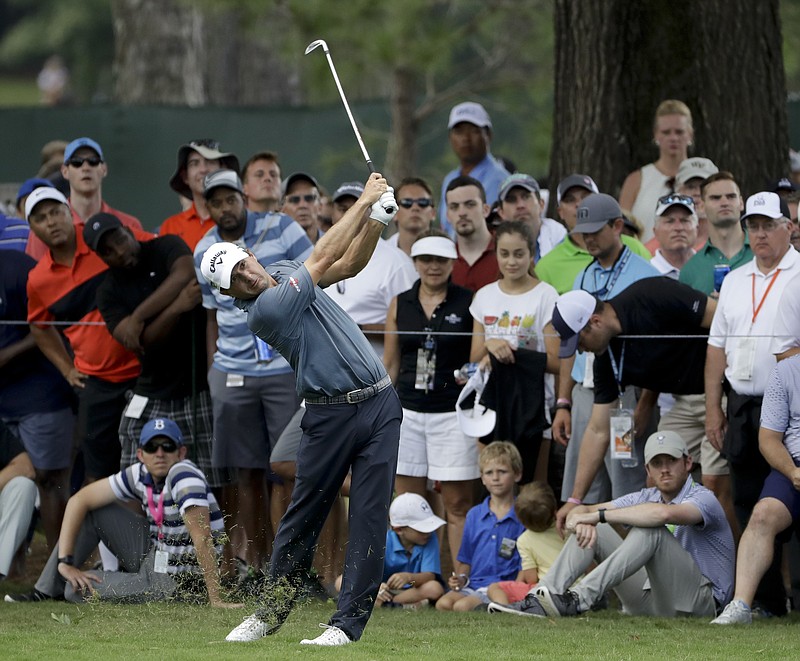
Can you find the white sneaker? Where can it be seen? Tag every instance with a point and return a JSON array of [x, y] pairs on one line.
[[331, 637], [252, 628], [736, 612]]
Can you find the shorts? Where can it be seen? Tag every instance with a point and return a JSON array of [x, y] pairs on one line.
[[432, 445], [249, 419], [480, 593], [289, 442], [688, 418], [780, 487], [48, 437], [515, 590]]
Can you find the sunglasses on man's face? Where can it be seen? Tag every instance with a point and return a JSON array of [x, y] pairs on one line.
[[77, 162], [422, 202], [151, 447], [295, 199]]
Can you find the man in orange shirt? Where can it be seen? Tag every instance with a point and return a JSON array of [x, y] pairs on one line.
[[84, 168], [62, 287], [195, 160]]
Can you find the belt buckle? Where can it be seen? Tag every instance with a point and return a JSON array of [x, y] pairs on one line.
[[352, 393]]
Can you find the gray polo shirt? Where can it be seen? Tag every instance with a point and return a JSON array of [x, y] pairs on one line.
[[324, 346], [780, 409], [710, 543]]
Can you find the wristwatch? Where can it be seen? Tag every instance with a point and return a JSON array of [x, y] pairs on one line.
[[67, 560]]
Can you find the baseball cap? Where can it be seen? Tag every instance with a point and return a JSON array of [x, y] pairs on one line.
[[226, 178], [219, 261], [595, 212], [298, 176], [575, 180], [351, 188], [29, 185], [479, 420], [438, 246], [766, 204], [208, 149], [75, 145], [97, 226], [40, 195], [784, 183], [160, 427], [412, 510], [471, 112], [674, 199], [664, 442], [570, 316], [518, 179], [691, 168]]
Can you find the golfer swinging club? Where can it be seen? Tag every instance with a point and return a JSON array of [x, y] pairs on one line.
[[352, 419]]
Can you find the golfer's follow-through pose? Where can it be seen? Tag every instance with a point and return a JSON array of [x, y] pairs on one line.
[[352, 419]]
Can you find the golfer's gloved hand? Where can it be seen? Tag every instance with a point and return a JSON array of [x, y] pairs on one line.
[[385, 208]]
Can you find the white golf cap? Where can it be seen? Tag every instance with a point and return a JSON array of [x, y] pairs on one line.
[[40, 195], [438, 246], [764, 204], [570, 315], [219, 261], [665, 442], [672, 200], [694, 168], [412, 510], [479, 420], [471, 112]]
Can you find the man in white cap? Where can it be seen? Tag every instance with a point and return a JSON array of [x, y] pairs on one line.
[[521, 199], [675, 229], [677, 558], [649, 307], [470, 130], [740, 352], [352, 418], [196, 159]]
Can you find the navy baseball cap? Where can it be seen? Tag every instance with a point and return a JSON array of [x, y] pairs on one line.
[[160, 427]]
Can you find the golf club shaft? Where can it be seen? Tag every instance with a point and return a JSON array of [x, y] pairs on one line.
[[349, 114]]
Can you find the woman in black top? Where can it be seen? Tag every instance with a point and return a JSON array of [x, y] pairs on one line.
[[434, 341]]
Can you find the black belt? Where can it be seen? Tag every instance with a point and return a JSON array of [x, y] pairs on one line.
[[354, 396]]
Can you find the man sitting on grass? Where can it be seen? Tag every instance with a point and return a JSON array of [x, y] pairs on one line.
[[677, 558], [179, 537]]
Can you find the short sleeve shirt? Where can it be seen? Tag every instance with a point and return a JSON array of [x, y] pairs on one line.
[[780, 409], [422, 558], [484, 537], [655, 306], [324, 346]]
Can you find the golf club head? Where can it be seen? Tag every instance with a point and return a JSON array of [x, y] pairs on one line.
[[315, 44]]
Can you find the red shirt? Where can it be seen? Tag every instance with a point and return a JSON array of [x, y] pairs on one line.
[[68, 293], [188, 225], [483, 272], [37, 249]]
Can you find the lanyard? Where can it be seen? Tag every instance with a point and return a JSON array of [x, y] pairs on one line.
[[156, 512], [756, 310], [616, 271], [618, 372]]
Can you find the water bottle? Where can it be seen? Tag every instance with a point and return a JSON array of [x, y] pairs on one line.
[[463, 374]]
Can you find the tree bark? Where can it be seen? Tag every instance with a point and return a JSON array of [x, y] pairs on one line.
[[159, 52], [616, 60], [401, 153]]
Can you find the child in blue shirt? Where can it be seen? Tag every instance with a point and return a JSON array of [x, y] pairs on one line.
[[488, 550]]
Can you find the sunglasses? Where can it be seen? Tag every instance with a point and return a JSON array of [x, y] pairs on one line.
[[208, 143], [76, 162], [295, 199], [676, 198], [422, 202], [151, 447]]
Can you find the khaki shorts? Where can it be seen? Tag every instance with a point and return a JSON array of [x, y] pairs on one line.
[[688, 418]]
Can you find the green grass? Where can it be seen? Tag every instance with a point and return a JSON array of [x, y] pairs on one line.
[[175, 631], [18, 92]]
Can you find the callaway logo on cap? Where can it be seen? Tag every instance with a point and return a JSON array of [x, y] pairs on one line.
[[216, 270]]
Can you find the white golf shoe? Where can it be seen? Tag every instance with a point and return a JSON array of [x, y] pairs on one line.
[[252, 628], [331, 637], [736, 612]]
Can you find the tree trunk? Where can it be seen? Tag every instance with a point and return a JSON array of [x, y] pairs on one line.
[[616, 60], [401, 154], [159, 52]]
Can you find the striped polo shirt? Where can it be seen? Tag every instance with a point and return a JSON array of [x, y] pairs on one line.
[[184, 487]]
